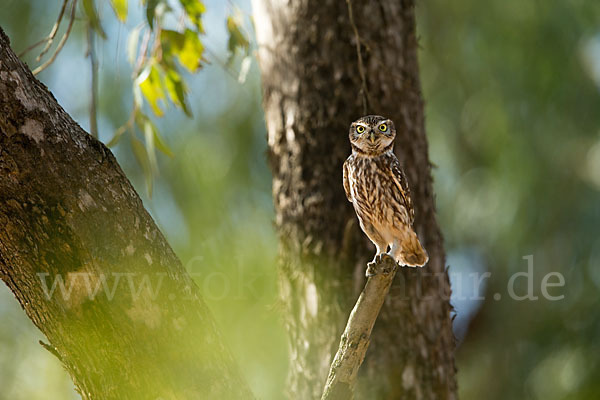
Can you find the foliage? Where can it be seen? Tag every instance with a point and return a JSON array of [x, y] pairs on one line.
[[211, 199], [512, 97], [157, 50], [512, 107]]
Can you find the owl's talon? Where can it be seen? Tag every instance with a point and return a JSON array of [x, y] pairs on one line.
[[371, 269], [380, 264]]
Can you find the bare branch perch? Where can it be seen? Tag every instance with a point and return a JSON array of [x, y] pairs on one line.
[[357, 335]]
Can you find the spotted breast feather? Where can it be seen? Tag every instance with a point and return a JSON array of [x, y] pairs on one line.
[[378, 189]]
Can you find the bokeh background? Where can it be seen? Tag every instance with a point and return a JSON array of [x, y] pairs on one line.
[[513, 119]]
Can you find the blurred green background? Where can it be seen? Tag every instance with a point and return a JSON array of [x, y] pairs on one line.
[[513, 119]]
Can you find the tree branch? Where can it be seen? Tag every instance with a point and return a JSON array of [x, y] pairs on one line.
[[357, 335], [90, 267]]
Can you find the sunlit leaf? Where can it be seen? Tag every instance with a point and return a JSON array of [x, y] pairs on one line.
[[120, 7], [194, 9], [90, 11], [177, 90], [141, 156], [237, 39], [185, 46], [244, 68], [132, 44], [137, 96], [149, 141], [151, 86]]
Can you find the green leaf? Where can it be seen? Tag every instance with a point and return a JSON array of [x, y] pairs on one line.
[[177, 90], [113, 142], [151, 86], [185, 46], [118, 135], [194, 10], [151, 133], [150, 11], [120, 7], [141, 155], [160, 143], [90, 11], [236, 38]]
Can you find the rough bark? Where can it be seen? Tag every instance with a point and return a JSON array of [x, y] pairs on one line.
[[312, 90], [68, 212]]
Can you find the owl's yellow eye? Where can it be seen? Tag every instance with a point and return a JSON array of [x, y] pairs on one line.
[[383, 127], [360, 129]]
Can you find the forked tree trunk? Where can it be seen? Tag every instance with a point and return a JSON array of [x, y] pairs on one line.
[[130, 323], [312, 91]]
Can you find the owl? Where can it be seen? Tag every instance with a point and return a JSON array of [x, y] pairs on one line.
[[376, 186]]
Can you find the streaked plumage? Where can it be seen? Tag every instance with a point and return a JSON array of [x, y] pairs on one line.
[[377, 187]]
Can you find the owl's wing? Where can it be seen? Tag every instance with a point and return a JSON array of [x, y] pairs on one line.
[[346, 183], [403, 189]]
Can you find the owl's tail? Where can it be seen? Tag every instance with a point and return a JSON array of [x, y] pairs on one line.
[[410, 252]]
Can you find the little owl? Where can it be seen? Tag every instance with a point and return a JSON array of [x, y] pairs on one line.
[[376, 185]]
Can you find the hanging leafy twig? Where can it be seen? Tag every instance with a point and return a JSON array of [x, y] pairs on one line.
[[62, 42], [54, 31], [157, 60], [48, 39], [33, 46]]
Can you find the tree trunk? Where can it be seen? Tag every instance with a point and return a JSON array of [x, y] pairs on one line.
[[129, 322], [312, 55]]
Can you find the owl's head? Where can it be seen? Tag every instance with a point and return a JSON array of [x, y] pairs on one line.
[[372, 134]]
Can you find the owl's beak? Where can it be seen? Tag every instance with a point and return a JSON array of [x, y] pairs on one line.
[[372, 137]]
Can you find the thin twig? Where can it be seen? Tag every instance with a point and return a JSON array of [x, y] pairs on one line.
[[48, 39], [61, 44], [123, 128], [54, 30], [361, 68], [33, 46], [94, 81], [142, 54], [357, 335], [228, 69], [156, 50]]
